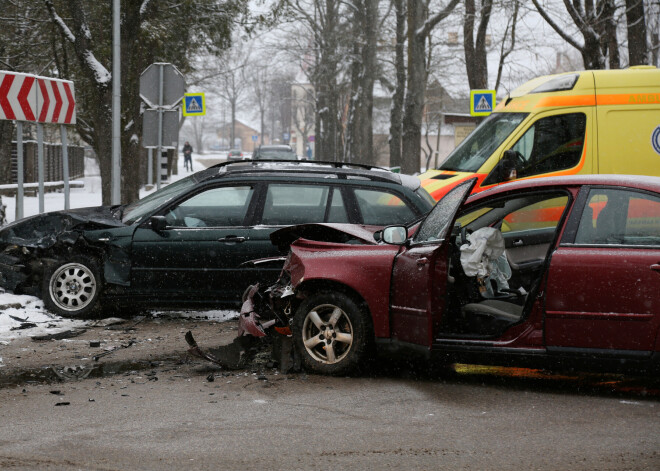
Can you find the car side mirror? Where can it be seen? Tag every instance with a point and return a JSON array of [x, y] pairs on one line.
[[395, 235], [158, 223]]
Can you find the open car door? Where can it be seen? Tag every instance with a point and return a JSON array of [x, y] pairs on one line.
[[419, 277]]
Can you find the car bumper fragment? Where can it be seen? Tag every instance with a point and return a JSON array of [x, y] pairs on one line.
[[12, 272]]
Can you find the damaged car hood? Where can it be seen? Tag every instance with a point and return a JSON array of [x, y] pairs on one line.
[[325, 232], [44, 230]]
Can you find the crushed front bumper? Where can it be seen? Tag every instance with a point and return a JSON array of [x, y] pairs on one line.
[[12, 272]]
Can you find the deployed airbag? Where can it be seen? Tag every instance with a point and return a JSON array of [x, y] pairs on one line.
[[485, 258]]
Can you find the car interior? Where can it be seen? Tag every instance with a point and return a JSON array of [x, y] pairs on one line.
[[479, 307]]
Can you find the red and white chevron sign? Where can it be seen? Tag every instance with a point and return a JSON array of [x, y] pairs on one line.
[[56, 101], [18, 97], [26, 97]]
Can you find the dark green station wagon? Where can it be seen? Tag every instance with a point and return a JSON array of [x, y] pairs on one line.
[[185, 245]]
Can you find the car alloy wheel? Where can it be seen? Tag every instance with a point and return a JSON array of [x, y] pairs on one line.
[[327, 334], [72, 287]]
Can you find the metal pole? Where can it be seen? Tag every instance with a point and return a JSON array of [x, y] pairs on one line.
[[19, 170], [40, 164], [116, 105], [160, 126], [150, 166], [65, 166]]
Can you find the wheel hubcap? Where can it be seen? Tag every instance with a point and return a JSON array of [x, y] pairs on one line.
[[327, 334], [72, 287]]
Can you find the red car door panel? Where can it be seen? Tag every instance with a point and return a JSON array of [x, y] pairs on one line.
[[419, 276], [418, 295], [603, 298]]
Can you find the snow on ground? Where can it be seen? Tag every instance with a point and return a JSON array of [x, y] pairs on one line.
[[25, 316]]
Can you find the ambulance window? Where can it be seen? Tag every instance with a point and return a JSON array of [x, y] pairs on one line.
[[551, 144]]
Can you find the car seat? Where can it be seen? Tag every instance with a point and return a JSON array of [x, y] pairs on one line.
[[487, 262]]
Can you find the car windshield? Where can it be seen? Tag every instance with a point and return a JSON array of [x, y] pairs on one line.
[[134, 212], [471, 154]]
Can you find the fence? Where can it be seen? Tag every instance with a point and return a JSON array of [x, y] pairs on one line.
[[52, 163]]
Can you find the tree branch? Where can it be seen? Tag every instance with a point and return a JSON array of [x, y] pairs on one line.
[[556, 27], [432, 22]]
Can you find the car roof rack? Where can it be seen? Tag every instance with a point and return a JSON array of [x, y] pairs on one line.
[[343, 169], [347, 165]]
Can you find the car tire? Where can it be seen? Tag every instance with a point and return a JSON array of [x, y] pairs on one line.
[[332, 334], [71, 287]]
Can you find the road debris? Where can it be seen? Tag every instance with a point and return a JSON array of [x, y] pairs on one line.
[[114, 349], [67, 334], [234, 356]]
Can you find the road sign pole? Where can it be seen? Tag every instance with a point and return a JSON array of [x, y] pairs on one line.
[[160, 124], [19, 170], [150, 166], [40, 164], [65, 166], [116, 105]]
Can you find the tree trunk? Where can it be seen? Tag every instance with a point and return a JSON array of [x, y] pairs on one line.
[[399, 92], [609, 42], [475, 50], [327, 97], [415, 90], [359, 139], [637, 46]]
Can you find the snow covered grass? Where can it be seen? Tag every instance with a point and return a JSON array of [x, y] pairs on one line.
[[21, 311]]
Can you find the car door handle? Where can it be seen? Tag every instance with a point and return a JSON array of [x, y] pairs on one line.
[[422, 261], [232, 239], [655, 267], [518, 243]]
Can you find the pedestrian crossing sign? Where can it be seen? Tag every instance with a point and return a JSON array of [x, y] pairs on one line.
[[194, 104], [482, 102]]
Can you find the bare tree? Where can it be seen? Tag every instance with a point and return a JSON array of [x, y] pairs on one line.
[[303, 109], [653, 26], [509, 32], [182, 27], [420, 25], [588, 18], [638, 51], [323, 21], [260, 81], [231, 82], [396, 112], [23, 32], [475, 48], [364, 70]]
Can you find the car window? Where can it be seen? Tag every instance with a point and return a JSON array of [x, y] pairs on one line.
[[620, 217], [542, 215], [295, 204], [551, 144], [134, 212], [517, 214], [216, 207], [337, 213], [436, 224], [381, 208]]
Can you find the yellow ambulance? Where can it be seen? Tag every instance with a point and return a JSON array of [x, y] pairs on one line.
[[595, 121]]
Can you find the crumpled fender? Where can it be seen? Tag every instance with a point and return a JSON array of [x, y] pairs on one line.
[[248, 319]]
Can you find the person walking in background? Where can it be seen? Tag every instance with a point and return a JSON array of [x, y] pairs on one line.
[[187, 156]]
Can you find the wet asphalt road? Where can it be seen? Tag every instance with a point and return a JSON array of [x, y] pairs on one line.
[[172, 417]]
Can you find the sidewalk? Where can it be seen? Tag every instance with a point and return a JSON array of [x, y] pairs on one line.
[[101, 350]]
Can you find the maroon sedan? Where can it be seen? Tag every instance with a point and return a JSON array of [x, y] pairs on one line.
[[559, 273]]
